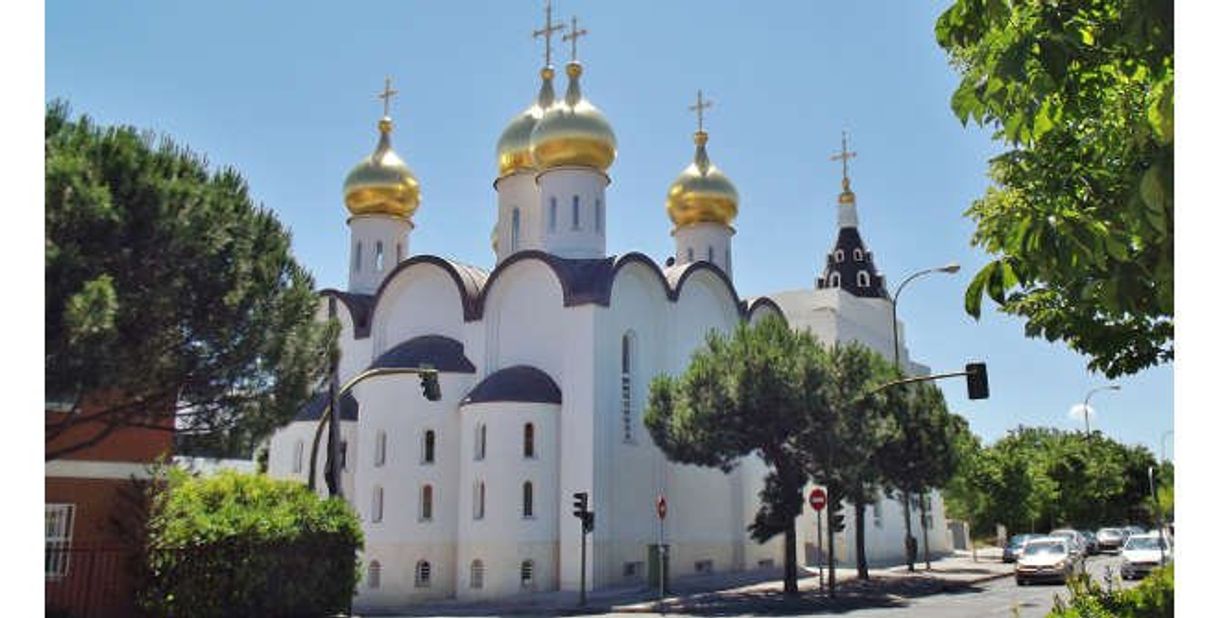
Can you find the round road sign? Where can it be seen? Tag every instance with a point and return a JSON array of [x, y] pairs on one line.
[[661, 507], [817, 499]]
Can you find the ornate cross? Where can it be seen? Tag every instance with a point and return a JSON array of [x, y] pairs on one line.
[[574, 36], [699, 106], [844, 156], [386, 94], [548, 31]]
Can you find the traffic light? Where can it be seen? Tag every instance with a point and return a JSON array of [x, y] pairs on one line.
[[978, 382], [589, 522], [581, 504], [430, 381]]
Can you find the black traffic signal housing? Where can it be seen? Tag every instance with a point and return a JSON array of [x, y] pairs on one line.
[[586, 517], [978, 381], [430, 381], [589, 522]]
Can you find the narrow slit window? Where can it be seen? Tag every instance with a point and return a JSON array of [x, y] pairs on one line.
[[553, 224], [527, 500], [515, 229], [422, 574], [600, 216], [380, 256], [425, 503], [575, 212], [378, 504], [529, 451], [429, 447]]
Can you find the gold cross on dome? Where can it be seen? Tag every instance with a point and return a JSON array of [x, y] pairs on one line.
[[386, 94], [699, 106], [844, 156], [574, 35], [548, 31]]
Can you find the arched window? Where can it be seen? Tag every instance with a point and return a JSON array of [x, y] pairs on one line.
[[380, 256], [600, 216], [553, 224], [864, 279], [858, 254], [374, 574], [425, 504], [476, 572], [710, 254], [689, 254], [480, 442], [835, 280], [529, 452], [627, 387], [839, 255], [342, 454], [515, 229], [727, 258], [526, 574], [359, 255], [479, 500], [422, 574], [429, 447], [378, 451], [575, 212], [527, 504], [298, 457], [378, 504]]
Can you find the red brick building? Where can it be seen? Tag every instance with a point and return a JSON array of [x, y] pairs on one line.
[[89, 540]]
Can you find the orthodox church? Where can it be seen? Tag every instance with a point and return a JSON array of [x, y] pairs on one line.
[[544, 362]]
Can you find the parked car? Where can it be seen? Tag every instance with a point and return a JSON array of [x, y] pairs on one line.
[[1093, 545], [1111, 539], [1015, 545], [1078, 544], [1132, 530], [1044, 559], [1143, 553]]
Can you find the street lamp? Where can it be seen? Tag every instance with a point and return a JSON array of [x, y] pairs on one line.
[[910, 551], [1087, 404], [1163, 444]]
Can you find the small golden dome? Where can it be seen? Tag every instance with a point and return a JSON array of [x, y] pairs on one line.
[[846, 196], [382, 184], [702, 193], [513, 148], [573, 132]]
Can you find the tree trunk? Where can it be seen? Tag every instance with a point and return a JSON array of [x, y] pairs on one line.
[[925, 534], [911, 550], [790, 584], [832, 561], [860, 541]]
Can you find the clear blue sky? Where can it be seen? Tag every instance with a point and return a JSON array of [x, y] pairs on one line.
[[284, 93]]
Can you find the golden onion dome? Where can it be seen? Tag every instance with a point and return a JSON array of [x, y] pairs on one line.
[[702, 193], [382, 184], [512, 150], [573, 131], [846, 196]]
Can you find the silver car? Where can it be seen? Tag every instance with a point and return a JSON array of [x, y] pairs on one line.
[[1049, 559], [1144, 553]]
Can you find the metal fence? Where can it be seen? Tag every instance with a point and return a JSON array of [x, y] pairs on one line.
[[90, 582]]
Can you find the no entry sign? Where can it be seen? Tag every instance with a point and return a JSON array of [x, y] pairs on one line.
[[817, 499]]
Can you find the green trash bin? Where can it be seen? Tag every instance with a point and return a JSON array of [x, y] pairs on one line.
[[653, 566]]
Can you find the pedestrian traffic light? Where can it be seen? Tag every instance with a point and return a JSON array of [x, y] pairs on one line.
[[978, 382], [430, 382], [581, 504]]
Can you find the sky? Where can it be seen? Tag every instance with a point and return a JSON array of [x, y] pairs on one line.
[[285, 93]]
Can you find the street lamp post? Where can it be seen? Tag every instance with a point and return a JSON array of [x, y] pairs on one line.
[[1163, 444], [1087, 404], [910, 552]]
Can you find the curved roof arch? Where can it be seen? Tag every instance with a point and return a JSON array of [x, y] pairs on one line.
[[444, 354], [518, 383]]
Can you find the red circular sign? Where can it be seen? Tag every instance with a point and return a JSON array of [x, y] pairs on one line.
[[661, 507], [817, 499]]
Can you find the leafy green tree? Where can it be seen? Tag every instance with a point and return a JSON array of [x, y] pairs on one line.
[[1080, 215], [168, 294], [847, 431], [744, 394]]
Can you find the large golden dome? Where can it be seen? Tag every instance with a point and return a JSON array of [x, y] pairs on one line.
[[513, 151], [382, 184], [702, 193], [573, 132]]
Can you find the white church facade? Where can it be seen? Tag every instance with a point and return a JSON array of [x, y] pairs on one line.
[[544, 363]]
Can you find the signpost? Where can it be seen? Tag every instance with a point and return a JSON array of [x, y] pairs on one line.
[[662, 512], [817, 500]]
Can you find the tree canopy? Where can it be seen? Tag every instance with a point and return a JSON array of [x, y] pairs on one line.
[[1079, 217], [169, 293]]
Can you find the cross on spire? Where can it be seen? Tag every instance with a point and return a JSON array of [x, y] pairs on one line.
[[699, 106], [549, 30], [386, 94], [574, 35], [844, 156]]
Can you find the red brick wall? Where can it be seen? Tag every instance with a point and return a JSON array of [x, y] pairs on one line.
[[134, 444]]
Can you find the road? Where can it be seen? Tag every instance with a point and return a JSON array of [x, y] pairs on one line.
[[1000, 597]]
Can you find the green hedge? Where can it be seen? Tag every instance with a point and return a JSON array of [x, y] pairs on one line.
[[1155, 597], [248, 545]]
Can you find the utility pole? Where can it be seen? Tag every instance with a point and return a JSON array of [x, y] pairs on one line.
[[587, 521]]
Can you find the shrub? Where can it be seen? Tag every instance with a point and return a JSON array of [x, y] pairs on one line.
[[1154, 598], [247, 545]]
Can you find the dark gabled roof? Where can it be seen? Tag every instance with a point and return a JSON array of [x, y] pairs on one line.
[[848, 269], [520, 383], [348, 408], [441, 353]]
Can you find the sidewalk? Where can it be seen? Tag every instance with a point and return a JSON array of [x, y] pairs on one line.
[[746, 592]]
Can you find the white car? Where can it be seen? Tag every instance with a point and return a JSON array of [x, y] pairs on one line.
[[1143, 553], [1046, 559]]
